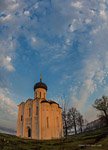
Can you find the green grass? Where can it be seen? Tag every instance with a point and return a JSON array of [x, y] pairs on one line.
[[95, 140]]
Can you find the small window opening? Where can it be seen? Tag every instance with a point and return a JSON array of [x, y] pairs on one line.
[[21, 117], [37, 110], [44, 95], [57, 122], [47, 122], [29, 132], [36, 94], [29, 112], [40, 94]]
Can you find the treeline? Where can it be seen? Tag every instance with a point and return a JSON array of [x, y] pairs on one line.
[[74, 122]]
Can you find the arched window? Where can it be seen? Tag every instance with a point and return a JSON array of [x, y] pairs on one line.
[[37, 110], [57, 122], [29, 132], [44, 95], [47, 121], [29, 112], [40, 94], [35, 94], [21, 117]]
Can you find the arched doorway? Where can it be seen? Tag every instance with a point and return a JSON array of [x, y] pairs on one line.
[[29, 132]]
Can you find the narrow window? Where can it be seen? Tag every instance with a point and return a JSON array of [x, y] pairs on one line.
[[44, 95], [40, 94], [35, 94], [37, 110], [57, 122], [29, 132], [29, 112], [47, 122], [21, 117]]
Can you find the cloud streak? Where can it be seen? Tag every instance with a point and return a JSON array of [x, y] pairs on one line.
[[8, 109]]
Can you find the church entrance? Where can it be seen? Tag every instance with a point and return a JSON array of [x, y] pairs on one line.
[[29, 132]]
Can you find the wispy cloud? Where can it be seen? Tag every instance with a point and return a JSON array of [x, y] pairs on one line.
[[8, 109], [77, 4], [91, 114], [7, 48]]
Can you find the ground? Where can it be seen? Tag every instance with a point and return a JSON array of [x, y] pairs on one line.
[[94, 140]]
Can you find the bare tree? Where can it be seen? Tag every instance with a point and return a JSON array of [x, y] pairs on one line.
[[65, 124], [80, 121], [102, 105], [64, 116], [72, 117]]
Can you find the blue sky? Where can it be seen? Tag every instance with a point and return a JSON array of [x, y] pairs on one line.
[[65, 40]]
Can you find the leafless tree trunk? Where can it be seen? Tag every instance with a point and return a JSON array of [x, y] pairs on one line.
[[65, 125], [72, 117], [80, 122], [64, 115]]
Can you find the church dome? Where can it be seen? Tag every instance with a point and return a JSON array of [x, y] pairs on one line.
[[40, 85]]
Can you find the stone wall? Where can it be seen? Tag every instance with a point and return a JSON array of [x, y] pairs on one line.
[[39, 119]]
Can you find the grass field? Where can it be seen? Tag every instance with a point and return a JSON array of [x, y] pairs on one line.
[[95, 140]]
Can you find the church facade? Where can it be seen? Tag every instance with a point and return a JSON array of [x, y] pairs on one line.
[[39, 118]]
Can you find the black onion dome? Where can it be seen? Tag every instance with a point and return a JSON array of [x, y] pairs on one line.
[[40, 85]]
